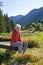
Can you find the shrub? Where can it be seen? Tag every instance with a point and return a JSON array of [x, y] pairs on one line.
[[4, 39], [3, 34], [5, 59], [26, 57], [33, 43], [2, 57]]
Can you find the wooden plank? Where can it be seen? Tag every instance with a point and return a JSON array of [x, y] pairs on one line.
[[8, 46]]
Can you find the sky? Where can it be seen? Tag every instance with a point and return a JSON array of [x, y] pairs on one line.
[[20, 7]]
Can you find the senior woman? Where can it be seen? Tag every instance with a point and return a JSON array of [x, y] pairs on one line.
[[16, 39]]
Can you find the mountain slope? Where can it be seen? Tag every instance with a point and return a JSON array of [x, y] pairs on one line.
[[33, 16], [16, 18]]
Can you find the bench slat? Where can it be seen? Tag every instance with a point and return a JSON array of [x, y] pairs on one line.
[[8, 46]]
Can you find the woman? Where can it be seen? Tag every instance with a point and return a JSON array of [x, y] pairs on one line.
[[16, 39]]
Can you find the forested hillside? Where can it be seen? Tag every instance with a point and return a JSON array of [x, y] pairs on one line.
[[6, 25], [36, 26]]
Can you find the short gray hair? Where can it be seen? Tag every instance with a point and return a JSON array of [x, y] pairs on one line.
[[18, 25]]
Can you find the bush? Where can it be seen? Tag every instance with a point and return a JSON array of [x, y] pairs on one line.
[[5, 59], [33, 43], [26, 57], [3, 34], [4, 39]]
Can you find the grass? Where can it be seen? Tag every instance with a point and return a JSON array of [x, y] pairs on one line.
[[38, 51], [26, 35], [34, 36]]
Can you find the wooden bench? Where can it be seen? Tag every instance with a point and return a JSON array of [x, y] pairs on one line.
[[8, 47]]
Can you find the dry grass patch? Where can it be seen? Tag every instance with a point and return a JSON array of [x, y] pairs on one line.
[[26, 57]]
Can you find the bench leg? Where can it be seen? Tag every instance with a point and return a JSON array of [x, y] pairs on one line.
[[8, 51]]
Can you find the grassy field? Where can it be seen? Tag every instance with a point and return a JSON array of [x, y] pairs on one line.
[[26, 35], [36, 36]]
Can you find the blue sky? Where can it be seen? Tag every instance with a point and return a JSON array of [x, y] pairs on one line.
[[20, 7]]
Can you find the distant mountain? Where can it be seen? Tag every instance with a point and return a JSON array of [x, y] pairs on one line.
[[33, 16], [16, 18]]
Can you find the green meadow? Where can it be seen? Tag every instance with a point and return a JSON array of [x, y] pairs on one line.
[[25, 35], [32, 36]]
